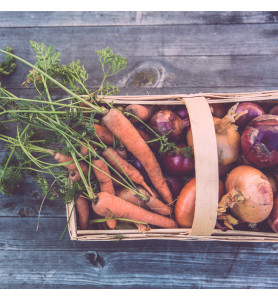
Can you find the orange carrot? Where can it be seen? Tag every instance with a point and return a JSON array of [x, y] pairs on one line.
[[132, 197], [105, 202], [105, 183], [148, 202], [74, 176], [123, 129], [142, 112], [158, 206], [63, 158], [115, 160], [121, 150], [102, 174], [104, 134], [82, 209]]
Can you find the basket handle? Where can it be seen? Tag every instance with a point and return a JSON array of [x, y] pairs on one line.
[[206, 166]]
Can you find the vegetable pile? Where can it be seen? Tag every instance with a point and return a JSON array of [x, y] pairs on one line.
[[132, 166]]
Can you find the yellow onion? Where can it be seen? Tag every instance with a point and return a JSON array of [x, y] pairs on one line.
[[227, 138], [248, 194]]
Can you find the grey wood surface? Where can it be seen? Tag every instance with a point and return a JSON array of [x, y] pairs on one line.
[[167, 52]]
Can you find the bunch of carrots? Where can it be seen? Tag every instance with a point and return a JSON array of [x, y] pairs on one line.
[[131, 164], [95, 155]]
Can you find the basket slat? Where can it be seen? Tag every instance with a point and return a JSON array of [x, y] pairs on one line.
[[206, 165]]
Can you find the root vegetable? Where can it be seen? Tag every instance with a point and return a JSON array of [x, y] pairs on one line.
[[120, 208], [102, 174], [122, 166], [142, 112], [118, 124], [167, 122], [248, 194], [178, 163], [153, 203], [259, 141], [185, 205], [253, 109], [82, 209], [227, 137], [62, 158]]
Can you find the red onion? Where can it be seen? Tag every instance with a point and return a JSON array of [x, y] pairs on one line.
[[176, 163], [182, 112], [259, 141], [137, 164], [274, 110], [165, 121], [253, 109], [175, 184]]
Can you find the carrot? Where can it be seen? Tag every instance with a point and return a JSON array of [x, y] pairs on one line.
[[146, 202], [104, 134], [82, 209], [63, 158], [105, 202], [132, 197], [101, 171], [123, 129], [121, 150], [115, 160], [142, 112], [158, 206], [105, 183], [74, 176]]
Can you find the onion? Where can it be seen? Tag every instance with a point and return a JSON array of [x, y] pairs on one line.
[[185, 205], [178, 163], [137, 164], [273, 217], [182, 112], [218, 110], [175, 184], [274, 110], [259, 141], [248, 194], [253, 109], [165, 121], [227, 138]]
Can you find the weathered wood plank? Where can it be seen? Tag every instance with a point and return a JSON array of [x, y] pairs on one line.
[[131, 18], [93, 269], [15, 230], [151, 41], [182, 72], [41, 259]]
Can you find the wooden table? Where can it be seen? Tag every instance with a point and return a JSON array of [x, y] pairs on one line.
[[167, 52]]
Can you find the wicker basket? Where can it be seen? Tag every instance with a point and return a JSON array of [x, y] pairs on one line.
[[206, 170]]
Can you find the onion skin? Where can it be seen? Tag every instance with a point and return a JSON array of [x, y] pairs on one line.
[[185, 205], [165, 121], [177, 164], [182, 112], [218, 110], [274, 110], [259, 141], [248, 194], [228, 142], [175, 184], [254, 110], [273, 217]]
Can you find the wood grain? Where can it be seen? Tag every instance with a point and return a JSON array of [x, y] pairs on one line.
[[131, 18], [168, 53]]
